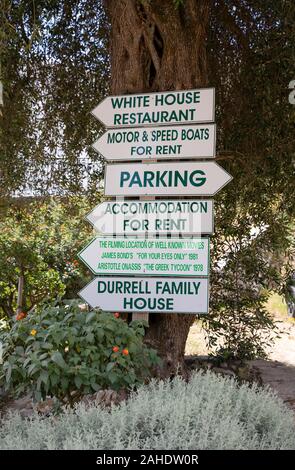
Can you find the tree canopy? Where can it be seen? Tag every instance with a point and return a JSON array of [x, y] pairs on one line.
[[55, 69]]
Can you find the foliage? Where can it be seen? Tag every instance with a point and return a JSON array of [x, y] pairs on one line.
[[243, 272], [54, 70], [165, 415], [253, 245], [62, 349], [178, 3], [40, 240]]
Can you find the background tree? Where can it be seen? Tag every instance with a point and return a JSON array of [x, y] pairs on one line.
[[39, 240], [46, 129]]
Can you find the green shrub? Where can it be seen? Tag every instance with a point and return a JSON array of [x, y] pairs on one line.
[[39, 239], [63, 349], [209, 412]]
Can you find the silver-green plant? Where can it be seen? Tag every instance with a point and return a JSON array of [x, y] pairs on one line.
[[208, 412]]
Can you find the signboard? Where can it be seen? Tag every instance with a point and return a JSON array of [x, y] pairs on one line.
[[161, 179], [143, 143], [147, 256], [161, 108], [137, 294], [137, 272], [159, 216]]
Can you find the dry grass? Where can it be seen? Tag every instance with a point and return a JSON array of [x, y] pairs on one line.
[[277, 306], [196, 341]]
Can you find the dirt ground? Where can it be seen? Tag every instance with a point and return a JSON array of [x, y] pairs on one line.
[[278, 371]]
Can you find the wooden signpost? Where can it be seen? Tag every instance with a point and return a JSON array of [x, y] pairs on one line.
[[152, 265]]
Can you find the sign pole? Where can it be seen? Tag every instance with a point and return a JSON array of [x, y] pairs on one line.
[[20, 292], [143, 315]]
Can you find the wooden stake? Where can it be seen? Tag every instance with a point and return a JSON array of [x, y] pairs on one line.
[[20, 293], [143, 315]]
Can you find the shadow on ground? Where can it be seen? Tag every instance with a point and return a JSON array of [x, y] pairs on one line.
[[279, 376]]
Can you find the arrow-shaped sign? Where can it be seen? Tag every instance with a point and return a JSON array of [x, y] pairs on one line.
[[195, 141], [147, 256], [137, 294], [160, 216], [153, 109], [160, 179]]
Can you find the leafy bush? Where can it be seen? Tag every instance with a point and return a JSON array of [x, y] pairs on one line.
[[239, 325], [209, 412], [39, 240], [62, 349]]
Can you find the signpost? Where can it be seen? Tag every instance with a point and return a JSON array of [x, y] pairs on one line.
[[142, 143], [162, 108], [138, 294], [138, 272], [161, 179], [187, 216], [154, 257]]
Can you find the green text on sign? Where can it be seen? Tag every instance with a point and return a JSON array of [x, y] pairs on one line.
[[161, 216], [183, 107], [138, 294], [143, 143], [163, 256], [162, 179]]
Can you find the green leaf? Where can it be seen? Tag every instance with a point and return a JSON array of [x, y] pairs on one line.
[[43, 356], [90, 316], [110, 366], [100, 333], [58, 359], [39, 383], [64, 383], [8, 373], [47, 345], [19, 350], [78, 381], [37, 395], [132, 348], [112, 376], [32, 368], [54, 379], [95, 386], [90, 338]]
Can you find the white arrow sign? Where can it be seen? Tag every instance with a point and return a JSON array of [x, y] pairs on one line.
[[153, 109], [135, 294], [160, 179], [160, 216], [148, 256], [195, 141]]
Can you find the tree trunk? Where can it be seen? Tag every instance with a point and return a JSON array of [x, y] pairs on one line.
[[156, 46]]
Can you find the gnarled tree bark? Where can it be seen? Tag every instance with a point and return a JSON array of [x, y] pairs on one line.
[[156, 46]]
